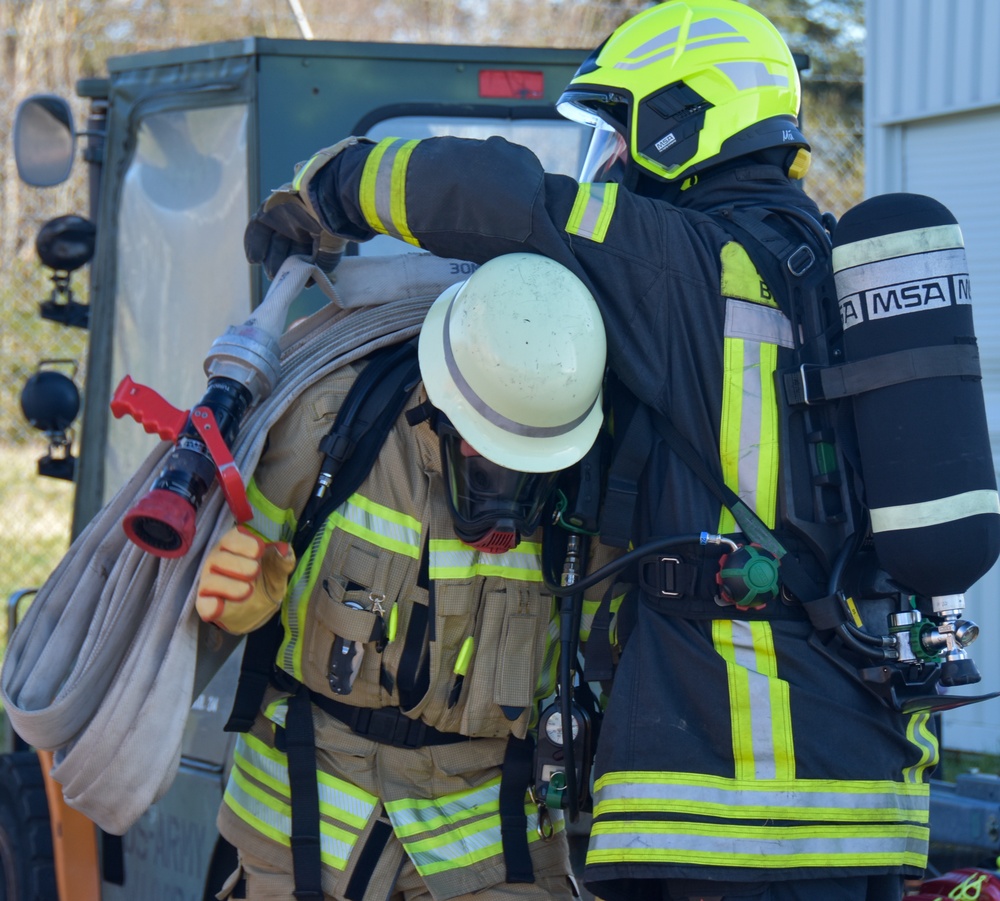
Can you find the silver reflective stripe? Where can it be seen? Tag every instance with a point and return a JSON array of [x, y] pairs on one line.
[[429, 814], [463, 562], [910, 243], [588, 223], [880, 275], [278, 825], [760, 711], [751, 411], [778, 799], [705, 33], [380, 527], [473, 842], [936, 512], [750, 74], [757, 323], [495, 417], [767, 846], [667, 39], [338, 803], [710, 28], [276, 771], [383, 189]]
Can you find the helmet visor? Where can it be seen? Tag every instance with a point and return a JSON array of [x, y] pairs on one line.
[[483, 495], [607, 156]]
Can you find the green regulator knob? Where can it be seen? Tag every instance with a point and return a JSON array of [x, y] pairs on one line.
[[748, 577]]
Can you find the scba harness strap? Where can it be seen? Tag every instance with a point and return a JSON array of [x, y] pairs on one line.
[[374, 402]]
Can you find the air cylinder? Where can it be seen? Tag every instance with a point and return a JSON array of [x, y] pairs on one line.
[[926, 463]]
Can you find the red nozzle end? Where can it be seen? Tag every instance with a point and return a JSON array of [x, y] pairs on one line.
[[162, 524]]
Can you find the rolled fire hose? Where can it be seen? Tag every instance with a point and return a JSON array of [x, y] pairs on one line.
[[105, 665]]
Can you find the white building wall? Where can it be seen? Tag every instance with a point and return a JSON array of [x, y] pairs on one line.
[[932, 126]]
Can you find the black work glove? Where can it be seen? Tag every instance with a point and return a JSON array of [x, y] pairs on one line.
[[286, 224]]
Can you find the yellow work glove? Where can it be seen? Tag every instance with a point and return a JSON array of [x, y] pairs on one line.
[[243, 580]]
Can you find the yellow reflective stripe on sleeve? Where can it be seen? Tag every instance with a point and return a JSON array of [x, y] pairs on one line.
[[918, 732], [825, 800], [748, 438], [456, 830], [453, 559], [756, 847], [269, 520], [592, 210], [763, 747], [382, 194]]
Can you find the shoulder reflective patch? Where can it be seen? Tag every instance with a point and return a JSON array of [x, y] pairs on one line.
[[382, 196], [740, 278], [757, 323], [592, 210]]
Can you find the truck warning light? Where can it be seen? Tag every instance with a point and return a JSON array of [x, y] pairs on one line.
[[514, 83]]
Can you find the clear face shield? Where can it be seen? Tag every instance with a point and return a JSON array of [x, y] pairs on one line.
[[492, 508], [607, 156]]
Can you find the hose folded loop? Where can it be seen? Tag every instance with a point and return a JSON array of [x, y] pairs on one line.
[[102, 669]]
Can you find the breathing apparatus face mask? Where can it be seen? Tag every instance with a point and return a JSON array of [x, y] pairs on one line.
[[492, 508]]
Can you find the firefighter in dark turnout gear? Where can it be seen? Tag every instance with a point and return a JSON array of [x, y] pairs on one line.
[[735, 760]]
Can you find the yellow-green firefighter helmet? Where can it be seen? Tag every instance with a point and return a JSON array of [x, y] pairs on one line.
[[686, 85]]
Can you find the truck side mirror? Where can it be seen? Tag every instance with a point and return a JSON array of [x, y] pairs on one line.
[[44, 140]]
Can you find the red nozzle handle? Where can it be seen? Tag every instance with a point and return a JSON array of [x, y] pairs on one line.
[[230, 479], [149, 409], [157, 524]]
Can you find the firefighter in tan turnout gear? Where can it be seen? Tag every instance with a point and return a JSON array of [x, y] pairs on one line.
[[417, 637], [761, 740]]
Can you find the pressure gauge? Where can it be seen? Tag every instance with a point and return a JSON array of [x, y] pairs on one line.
[[551, 776], [554, 727]]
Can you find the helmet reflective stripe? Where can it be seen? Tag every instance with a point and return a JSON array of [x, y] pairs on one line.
[[709, 26], [751, 75], [485, 410]]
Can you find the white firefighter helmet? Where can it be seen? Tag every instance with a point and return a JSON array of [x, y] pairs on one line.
[[514, 357]]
